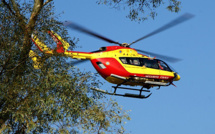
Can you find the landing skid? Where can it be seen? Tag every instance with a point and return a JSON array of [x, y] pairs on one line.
[[140, 96]]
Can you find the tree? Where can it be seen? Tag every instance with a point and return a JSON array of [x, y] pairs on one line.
[[56, 98], [139, 10]]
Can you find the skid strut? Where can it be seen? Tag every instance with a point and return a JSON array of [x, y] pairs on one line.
[[140, 96], [131, 95]]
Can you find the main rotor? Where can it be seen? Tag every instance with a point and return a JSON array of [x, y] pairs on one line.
[[171, 24]]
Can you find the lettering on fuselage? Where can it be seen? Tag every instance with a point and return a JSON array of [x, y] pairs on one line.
[[157, 77], [164, 77], [152, 76]]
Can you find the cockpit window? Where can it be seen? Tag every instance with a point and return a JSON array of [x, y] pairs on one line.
[[163, 66], [149, 63]]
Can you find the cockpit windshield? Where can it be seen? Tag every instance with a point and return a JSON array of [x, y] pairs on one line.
[[149, 63]]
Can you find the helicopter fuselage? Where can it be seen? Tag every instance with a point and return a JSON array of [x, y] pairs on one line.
[[123, 65]]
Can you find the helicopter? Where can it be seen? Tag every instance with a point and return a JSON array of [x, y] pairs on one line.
[[119, 64]]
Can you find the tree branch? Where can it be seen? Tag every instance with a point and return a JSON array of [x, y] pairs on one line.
[[47, 1], [38, 4], [18, 15], [18, 64], [17, 12], [4, 66], [8, 6]]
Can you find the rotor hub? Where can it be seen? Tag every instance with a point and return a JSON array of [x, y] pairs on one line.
[[124, 45]]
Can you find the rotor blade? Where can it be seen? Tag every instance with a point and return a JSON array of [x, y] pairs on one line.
[[175, 22], [166, 58], [78, 62], [84, 30]]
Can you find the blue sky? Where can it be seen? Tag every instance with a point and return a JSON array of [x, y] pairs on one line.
[[187, 109]]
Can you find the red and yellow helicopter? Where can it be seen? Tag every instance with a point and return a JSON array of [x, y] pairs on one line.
[[119, 64]]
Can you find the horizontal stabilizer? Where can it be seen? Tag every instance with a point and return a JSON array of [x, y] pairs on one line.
[[37, 62]]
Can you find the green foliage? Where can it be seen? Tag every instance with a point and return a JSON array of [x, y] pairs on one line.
[[55, 99], [140, 10]]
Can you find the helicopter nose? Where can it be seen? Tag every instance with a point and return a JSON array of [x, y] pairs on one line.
[[177, 78]]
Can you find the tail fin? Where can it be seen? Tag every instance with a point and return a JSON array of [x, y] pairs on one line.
[[42, 47], [62, 45], [37, 61]]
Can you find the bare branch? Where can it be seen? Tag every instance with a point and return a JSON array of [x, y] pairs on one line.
[[38, 4], [19, 63], [8, 6], [47, 1], [4, 66], [17, 12], [18, 15]]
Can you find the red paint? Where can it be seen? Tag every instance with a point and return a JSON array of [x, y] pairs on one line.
[[60, 48], [114, 67], [111, 48], [36, 45]]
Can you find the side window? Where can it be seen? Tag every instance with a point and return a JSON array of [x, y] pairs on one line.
[[136, 61], [131, 61], [124, 61], [149, 63]]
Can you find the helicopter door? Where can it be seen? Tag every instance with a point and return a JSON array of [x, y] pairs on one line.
[[150, 68]]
